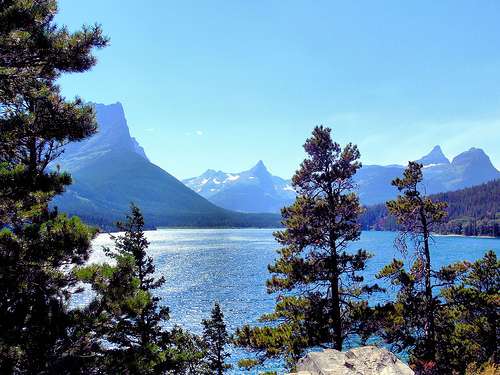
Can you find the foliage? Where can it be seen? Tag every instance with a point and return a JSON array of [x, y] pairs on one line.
[[470, 315], [443, 319], [216, 339], [130, 319], [188, 353], [474, 211], [487, 369], [404, 324], [316, 279], [38, 332], [416, 215]]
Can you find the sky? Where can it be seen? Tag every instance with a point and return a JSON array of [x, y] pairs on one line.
[[223, 84]]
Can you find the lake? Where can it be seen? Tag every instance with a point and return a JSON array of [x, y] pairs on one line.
[[230, 265]]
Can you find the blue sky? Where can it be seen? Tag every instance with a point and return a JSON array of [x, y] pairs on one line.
[[222, 84]]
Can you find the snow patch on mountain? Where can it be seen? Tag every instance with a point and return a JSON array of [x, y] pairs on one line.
[[254, 190]]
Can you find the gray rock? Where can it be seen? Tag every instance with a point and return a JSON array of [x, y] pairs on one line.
[[366, 360]]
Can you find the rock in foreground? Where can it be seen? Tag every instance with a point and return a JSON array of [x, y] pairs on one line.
[[367, 360]]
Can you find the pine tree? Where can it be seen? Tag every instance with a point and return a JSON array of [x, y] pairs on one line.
[[130, 320], [38, 332], [216, 339], [188, 352], [417, 216], [465, 316], [468, 331], [138, 330], [320, 293]]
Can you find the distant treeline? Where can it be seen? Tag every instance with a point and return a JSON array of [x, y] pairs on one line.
[[227, 220], [473, 211]]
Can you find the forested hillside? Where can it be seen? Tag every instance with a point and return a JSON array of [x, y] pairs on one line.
[[472, 211], [110, 170]]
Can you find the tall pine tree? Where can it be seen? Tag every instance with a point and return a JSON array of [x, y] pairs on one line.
[[316, 278], [416, 303], [37, 244], [216, 339], [128, 319]]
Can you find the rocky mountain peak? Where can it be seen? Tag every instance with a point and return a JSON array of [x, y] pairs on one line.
[[436, 156], [473, 156], [212, 173], [252, 190], [260, 170], [112, 135]]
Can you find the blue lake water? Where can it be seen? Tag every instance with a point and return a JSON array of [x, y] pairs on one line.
[[230, 265]]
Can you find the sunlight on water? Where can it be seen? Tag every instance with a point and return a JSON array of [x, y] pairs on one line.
[[230, 265]]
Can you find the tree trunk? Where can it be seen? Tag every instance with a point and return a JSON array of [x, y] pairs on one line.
[[220, 363], [336, 318], [430, 346], [33, 159], [335, 298], [492, 337]]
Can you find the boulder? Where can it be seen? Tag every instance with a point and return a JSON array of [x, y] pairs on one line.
[[366, 360]]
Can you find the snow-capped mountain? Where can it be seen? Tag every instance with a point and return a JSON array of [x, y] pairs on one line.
[[435, 157], [254, 190], [110, 170], [467, 169]]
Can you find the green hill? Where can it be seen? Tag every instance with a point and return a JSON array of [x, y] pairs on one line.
[[473, 211], [103, 190]]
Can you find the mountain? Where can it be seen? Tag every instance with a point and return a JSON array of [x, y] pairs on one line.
[[254, 190], [374, 182], [467, 169], [436, 156], [111, 169], [472, 167], [113, 134], [471, 211]]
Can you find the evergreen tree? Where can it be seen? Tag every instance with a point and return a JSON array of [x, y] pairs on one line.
[[416, 303], [320, 292], [471, 211], [188, 352], [130, 323], [38, 332], [468, 326], [129, 314], [465, 316], [216, 338]]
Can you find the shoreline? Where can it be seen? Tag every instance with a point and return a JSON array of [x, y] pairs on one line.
[[464, 236], [279, 228]]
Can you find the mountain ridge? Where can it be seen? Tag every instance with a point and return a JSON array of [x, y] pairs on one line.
[[469, 168], [436, 156], [252, 190], [110, 170]]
